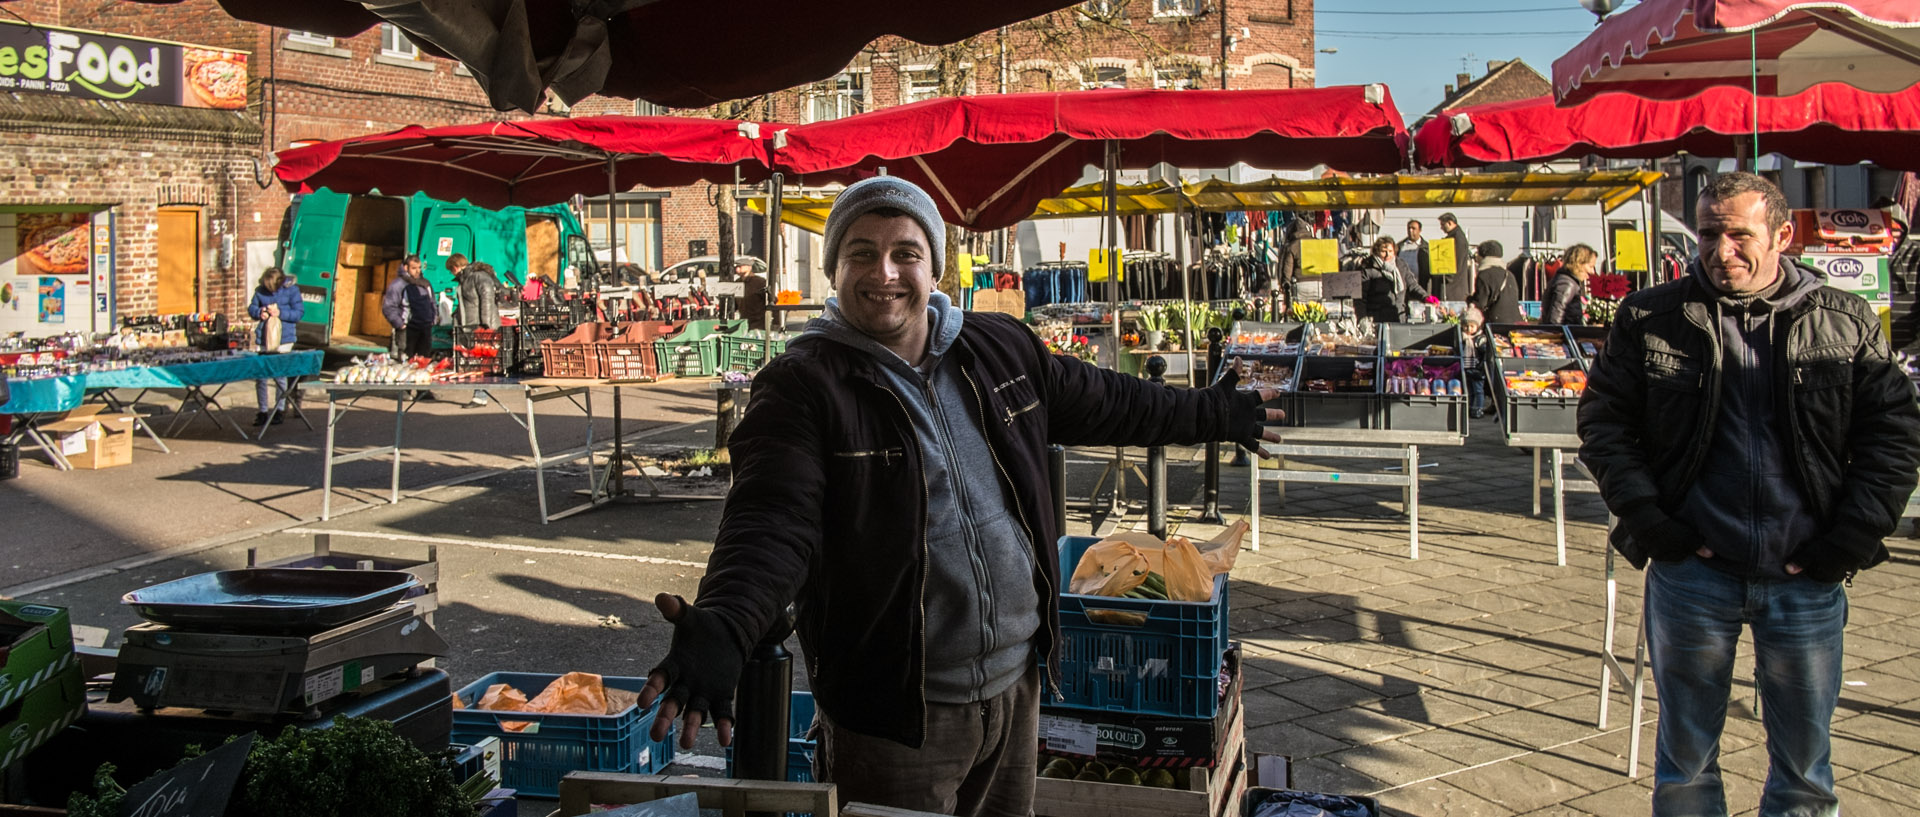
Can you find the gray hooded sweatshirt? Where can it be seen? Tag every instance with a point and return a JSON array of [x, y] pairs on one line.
[[981, 605]]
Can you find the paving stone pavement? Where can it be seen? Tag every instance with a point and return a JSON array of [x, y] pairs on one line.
[[1466, 683]]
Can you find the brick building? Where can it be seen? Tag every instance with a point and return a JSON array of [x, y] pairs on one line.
[[181, 198]]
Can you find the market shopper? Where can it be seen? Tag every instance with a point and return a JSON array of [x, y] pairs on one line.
[[1750, 430], [753, 294], [277, 306], [890, 480], [1385, 290], [409, 308], [1458, 285], [1415, 265], [478, 307], [1566, 301], [1474, 359], [1494, 290]]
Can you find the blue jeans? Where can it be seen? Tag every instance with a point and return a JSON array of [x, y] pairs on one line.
[[1694, 615], [1476, 390]]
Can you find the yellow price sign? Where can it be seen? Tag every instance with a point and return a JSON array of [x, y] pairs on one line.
[[1319, 256], [1097, 266], [1629, 251], [1440, 257]]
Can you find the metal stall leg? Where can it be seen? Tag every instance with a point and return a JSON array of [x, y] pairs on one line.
[[1559, 508], [1253, 498], [1057, 477], [326, 474], [539, 460], [1210, 509], [1413, 502], [1157, 491], [1533, 482], [399, 422]]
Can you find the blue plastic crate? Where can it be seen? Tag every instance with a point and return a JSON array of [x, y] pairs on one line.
[[533, 761], [799, 749], [1164, 666]]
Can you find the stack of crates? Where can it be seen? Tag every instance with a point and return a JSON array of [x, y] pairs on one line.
[[42, 688], [573, 355], [746, 351], [488, 351], [630, 355], [1140, 655], [695, 351]]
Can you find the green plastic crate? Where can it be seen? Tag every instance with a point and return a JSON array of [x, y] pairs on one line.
[[688, 358]]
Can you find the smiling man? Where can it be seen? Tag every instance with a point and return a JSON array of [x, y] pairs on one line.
[[1751, 431], [890, 479]]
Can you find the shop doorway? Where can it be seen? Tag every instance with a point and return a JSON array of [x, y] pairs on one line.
[[179, 253]]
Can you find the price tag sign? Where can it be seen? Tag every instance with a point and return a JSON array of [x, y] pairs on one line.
[[1068, 735], [197, 788]]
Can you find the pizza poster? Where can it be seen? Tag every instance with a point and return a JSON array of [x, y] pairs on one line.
[[69, 62], [52, 243]]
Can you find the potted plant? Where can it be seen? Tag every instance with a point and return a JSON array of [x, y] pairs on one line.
[[1153, 321]]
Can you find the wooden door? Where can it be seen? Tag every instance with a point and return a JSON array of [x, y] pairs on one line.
[[179, 252]]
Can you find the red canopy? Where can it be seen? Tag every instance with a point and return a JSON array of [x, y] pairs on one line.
[[531, 163], [989, 160], [679, 53], [1831, 124], [1673, 49]]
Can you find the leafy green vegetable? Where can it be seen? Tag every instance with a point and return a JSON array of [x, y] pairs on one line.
[[356, 768], [105, 800]]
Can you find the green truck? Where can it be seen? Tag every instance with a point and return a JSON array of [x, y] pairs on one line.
[[344, 249]]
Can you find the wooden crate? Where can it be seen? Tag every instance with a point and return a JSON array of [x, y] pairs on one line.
[[1214, 792], [580, 791]]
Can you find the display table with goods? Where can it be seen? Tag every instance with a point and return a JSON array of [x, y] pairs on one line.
[[1537, 374], [379, 379], [310, 687], [1355, 390]]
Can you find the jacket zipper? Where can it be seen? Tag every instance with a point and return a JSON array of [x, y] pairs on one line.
[[1713, 405], [926, 558], [1033, 547], [886, 455]]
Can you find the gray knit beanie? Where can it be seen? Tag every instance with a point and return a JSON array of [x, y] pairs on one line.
[[868, 195]]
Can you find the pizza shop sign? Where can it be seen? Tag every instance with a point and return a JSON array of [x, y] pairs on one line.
[[68, 62]]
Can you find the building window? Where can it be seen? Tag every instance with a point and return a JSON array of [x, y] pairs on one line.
[[839, 97], [1176, 77], [310, 38], [639, 226], [394, 43], [1176, 8], [1103, 76], [642, 107], [921, 83]]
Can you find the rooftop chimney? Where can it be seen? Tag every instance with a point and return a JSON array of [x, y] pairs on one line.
[[1449, 91], [1492, 65], [1463, 79]]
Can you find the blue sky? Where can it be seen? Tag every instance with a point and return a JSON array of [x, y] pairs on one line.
[[1417, 46]]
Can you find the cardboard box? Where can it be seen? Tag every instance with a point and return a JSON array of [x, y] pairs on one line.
[[372, 320], [1863, 275], [359, 255], [1842, 232], [42, 713], [1134, 739], [91, 438], [36, 644]]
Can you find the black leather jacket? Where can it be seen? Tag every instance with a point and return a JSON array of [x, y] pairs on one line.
[[1647, 416], [829, 501]]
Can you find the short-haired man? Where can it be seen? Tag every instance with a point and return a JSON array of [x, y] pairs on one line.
[[890, 479], [1459, 285], [1751, 431], [1415, 265], [409, 308]]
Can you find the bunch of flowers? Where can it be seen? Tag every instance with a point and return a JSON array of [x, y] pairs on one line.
[[1072, 345], [1605, 290]]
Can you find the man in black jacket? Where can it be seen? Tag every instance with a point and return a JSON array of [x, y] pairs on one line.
[[1750, 430], [1458, 285], [890, 480], [1494, 290]]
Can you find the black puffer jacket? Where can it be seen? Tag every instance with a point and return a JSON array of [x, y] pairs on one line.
[[829, 502], [1853, 429]]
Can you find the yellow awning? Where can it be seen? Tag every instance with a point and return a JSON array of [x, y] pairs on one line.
[[1608, 188]]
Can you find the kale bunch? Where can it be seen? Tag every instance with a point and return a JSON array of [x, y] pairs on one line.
[[357, 768]]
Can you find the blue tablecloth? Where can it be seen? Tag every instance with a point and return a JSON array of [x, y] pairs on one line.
[[56, 394]]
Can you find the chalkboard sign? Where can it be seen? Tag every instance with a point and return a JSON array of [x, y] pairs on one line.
[[197, 788]]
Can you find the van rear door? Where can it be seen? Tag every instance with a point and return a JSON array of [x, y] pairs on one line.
[[309, 253]]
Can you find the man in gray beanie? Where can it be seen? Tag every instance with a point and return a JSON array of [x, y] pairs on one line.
[[890, 481]]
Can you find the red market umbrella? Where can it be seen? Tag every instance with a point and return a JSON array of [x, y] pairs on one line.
[[531, 163], [1673, 49], [678, 53], [1830, 124], [989, 160]]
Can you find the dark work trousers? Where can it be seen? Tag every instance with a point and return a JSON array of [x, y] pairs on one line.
[[419, 341], [978, 759]]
